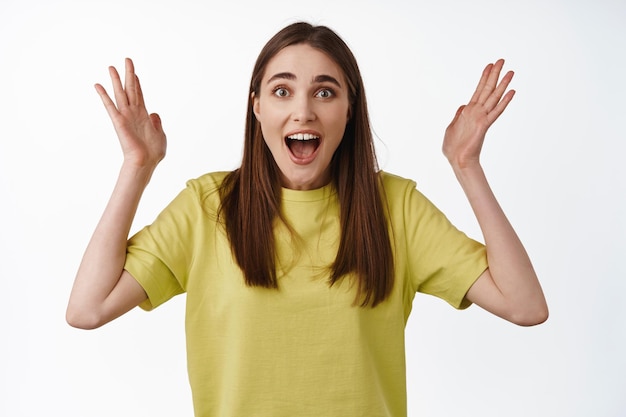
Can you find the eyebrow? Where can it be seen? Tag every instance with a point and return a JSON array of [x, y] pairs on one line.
[[318, 79]]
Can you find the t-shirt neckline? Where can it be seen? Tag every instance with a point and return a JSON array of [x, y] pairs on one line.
[[322, 193]]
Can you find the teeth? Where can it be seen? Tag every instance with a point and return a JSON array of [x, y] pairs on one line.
[[302, 136]]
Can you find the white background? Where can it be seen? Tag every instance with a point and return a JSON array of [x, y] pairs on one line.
[[555, 160]]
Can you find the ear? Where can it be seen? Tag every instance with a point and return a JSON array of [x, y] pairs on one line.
[[256, 106]]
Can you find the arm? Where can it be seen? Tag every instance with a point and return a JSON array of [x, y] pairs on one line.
[[103, 290], [509, 288]]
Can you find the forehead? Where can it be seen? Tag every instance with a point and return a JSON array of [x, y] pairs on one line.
[[304, 61]]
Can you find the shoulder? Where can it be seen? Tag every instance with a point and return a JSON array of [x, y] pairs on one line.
[[393, 182], [402, 196], [396, 188], [201, 193], [207, 185], [208, 182]]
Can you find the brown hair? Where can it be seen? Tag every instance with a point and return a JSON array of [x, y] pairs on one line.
[[251, 194]]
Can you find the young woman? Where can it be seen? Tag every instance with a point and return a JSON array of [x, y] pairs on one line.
[[300, 267]]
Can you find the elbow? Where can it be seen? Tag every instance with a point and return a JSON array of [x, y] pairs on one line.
[[530, 317], [82, 319]]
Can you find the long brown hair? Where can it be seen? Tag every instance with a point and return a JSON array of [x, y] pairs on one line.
[[251, 194]]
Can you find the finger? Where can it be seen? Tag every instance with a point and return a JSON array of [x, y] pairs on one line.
[[106, 100], [481, 83], [493, 115], [458, 113], [155, 119], [497, 94], [139, 93], [156, 122], [492, 81], [118, 90], [130, 82]]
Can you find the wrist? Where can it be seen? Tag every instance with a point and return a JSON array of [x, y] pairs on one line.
[[467, 168], [136, 173]]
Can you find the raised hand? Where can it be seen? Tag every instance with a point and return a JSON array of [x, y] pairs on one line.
[[509, 288], [465, 135], [140, 134], [103, 290]]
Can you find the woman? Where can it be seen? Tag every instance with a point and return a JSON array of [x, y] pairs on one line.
[[300, 267]]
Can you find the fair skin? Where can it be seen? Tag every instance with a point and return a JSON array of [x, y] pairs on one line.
[[103, 290], [298, 101], [303, 108], [509, 288]]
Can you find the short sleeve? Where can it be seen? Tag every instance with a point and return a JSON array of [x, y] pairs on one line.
[[440, 259], [159, 255]]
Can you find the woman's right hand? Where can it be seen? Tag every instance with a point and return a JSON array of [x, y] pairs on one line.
[[103, 290], [140, 134]]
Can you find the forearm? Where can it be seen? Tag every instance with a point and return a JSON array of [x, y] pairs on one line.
[[509, 265], [103, 260]]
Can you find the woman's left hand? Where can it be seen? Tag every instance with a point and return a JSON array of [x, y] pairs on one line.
[[509, 288], [464, 136]]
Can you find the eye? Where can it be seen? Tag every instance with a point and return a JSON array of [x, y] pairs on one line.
[[325, 93], [280, 92]]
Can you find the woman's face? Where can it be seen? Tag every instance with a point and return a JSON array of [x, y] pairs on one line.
[[303, 108]]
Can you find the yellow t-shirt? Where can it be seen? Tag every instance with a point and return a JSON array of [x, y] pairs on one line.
[[303, 349]]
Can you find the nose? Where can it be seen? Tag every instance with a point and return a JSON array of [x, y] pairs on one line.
[[303, 110]]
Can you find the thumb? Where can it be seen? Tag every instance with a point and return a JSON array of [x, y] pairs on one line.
[[458, 113], [156, 122], [456, 117]]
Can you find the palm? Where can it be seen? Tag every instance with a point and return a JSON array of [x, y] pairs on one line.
[[465, 135], [140, 134]]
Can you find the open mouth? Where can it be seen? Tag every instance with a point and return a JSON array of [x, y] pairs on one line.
[[302, 145]]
